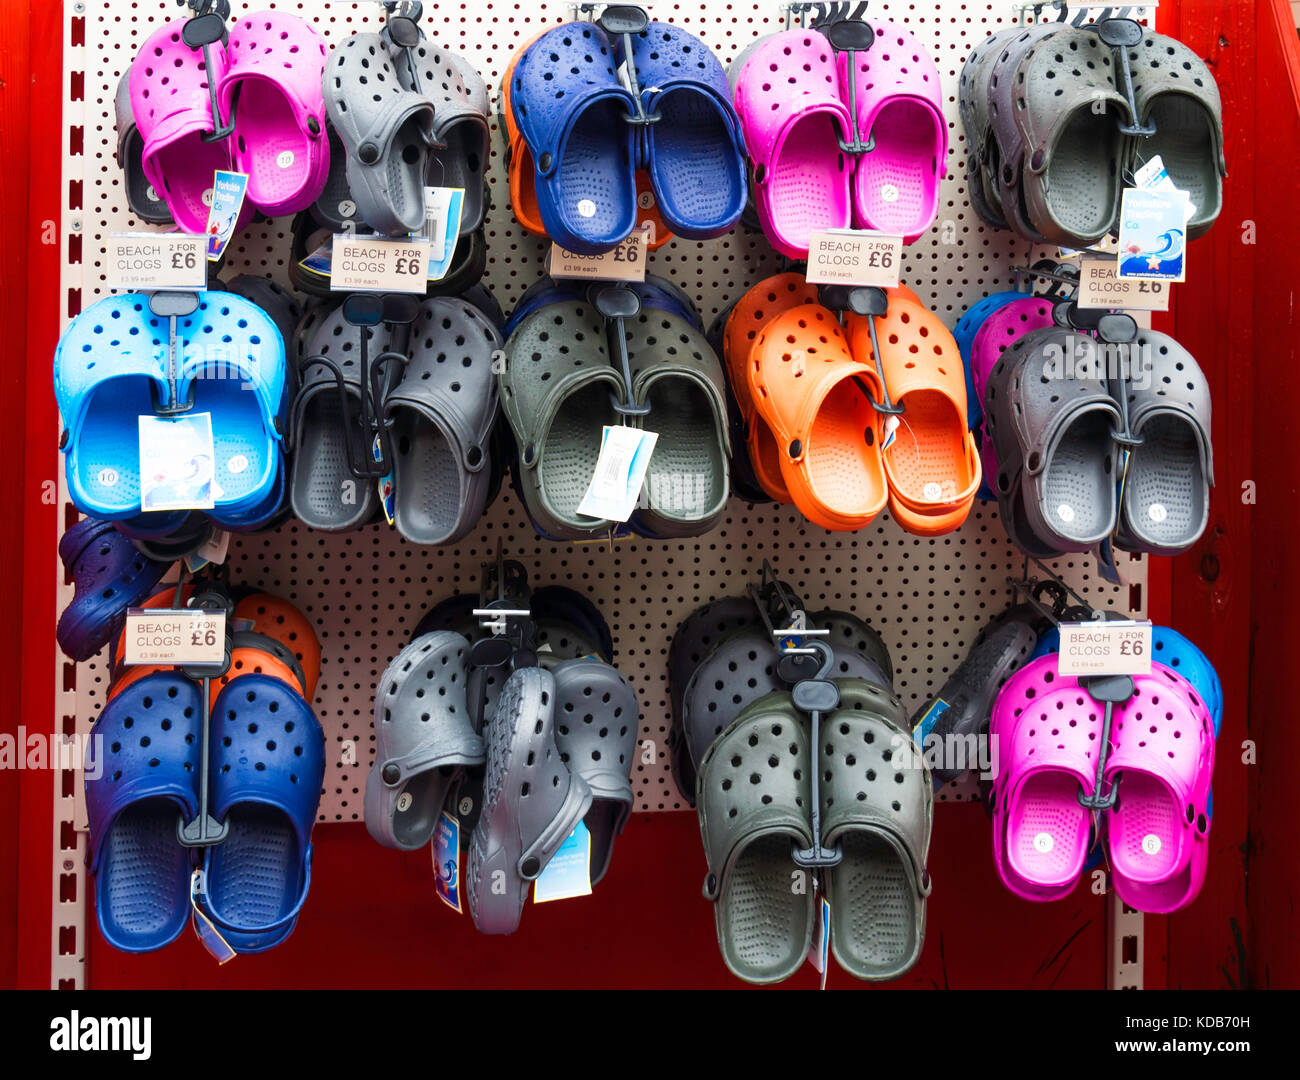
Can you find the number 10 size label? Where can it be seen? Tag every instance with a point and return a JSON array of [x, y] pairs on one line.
[[854, 257], [1105, 648], [150, 261], [174, 637], [372, 264]]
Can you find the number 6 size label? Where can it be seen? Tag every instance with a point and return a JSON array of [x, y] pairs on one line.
[[141, 262], [1105, 648], [854, 257], [374, 264], [174, 637]]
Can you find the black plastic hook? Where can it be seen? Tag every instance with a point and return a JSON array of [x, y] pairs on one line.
[[626, 21], [205, 29], [816, 697], [615, 304], [204, 829], [1121, 35], [852, 36], [1107, 690], [871, 303], [171, 306]]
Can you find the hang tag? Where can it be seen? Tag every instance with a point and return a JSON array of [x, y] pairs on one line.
[[446, 862], [1153, 235], [378, 264], [209, 936], [819, 950], [1100, 286], [1105, 648], [924, 724], [180, 636], [228, 191], [854, 257], [1153, 176], [213, 550], [387, 487], [626, 262], [568, 874], [176, 462], [437, 219], [892, 424], [147, 262], [620, 472]]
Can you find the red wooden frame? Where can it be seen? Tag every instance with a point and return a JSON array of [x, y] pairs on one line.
[[372, 920]]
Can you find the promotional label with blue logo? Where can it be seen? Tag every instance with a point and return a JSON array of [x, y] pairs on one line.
[[177, 462], [569, 871], [228, 190], [1153, 227], [446, 861]]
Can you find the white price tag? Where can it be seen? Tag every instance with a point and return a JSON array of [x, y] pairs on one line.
[[620, 472], [143, 262], [1100, 286], [1105, 648], [378, 264], [185, 636], [854, 257], [623, 263]]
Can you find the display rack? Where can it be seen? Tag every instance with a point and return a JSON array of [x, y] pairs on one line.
[[365, 590]]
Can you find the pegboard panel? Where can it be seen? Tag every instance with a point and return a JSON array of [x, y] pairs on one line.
[[366, 590]]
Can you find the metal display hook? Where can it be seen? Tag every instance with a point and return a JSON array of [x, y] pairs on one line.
[[1064, 279], [872, 303], [777, 604], [816, 696], [505, 611], [202, 31], [616, 304], [377, 377]]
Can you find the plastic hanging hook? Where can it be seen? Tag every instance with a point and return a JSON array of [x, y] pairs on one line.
[[205, 29], [626, 21], [1121, 35], [852, 36], [816, 697], [204, 829], [171, 306], [871, 303], [615, 304]]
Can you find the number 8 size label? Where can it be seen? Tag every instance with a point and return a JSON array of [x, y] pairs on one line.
[[150, 261], [373, 264], [174, 637], [1105, 648], [854, 257]]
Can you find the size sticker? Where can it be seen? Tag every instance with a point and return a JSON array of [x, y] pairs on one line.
[[854, 257], [626, 262], [372, 264], [1105, 648], [140, 262], [185, 636], [1100, 286]]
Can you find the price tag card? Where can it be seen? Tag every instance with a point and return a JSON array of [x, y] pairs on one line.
[[378, 264], [623, 263], [1100, 286], [228, 191], [185, 636], [143, 262], [854, 257], [620, 472], [1153, 235], [177, 462], [1105, 648]]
